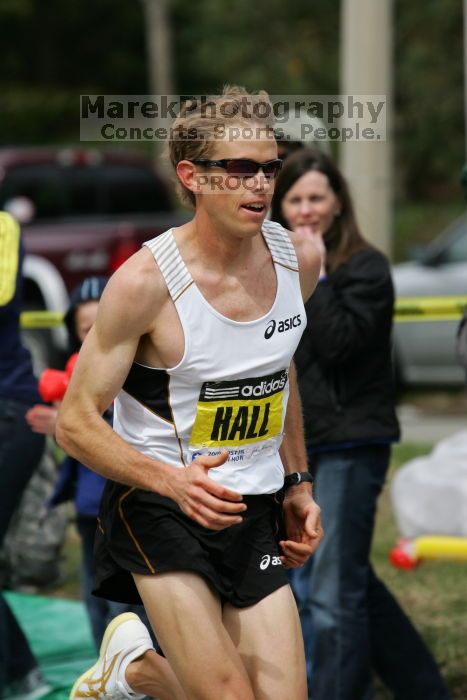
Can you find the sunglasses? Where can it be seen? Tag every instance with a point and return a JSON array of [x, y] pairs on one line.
[[243, 167]]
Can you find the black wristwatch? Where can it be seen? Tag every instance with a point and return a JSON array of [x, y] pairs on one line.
[[297, 478]]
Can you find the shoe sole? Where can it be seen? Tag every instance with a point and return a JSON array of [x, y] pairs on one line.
[[112, 626]]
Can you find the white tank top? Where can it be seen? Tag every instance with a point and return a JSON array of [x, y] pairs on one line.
[[230, 389]]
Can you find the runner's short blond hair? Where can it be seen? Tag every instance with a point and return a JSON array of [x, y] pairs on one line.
[[236, 114]]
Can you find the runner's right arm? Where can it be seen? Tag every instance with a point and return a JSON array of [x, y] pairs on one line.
[[127, 311]]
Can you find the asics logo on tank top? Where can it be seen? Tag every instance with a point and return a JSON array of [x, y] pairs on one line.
[[283, 325]]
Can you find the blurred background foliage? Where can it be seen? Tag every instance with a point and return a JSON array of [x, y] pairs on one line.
[[53, 51]]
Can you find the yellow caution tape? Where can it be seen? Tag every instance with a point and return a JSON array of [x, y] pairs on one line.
[[406, 309], [41, 319], [430, 308]]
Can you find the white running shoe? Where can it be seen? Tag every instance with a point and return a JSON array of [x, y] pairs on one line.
[[124, 640]]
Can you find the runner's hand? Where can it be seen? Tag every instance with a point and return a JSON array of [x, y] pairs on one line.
[[202, 499], [302, 524]]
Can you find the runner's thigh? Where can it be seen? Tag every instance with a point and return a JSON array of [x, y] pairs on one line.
[[269, 639], [186, 615]]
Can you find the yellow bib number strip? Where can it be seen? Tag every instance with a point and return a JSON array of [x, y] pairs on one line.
[[236, 423], [239, 412]]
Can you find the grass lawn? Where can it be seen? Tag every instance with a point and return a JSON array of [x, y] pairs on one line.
[[434, 594]]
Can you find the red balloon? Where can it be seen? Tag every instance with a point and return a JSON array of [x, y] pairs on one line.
[[53, 384]]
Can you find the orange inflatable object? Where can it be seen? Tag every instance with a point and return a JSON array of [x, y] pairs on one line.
[[53, 382], [410, 553]]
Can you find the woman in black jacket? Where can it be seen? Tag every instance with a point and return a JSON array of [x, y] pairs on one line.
[[344, 369]]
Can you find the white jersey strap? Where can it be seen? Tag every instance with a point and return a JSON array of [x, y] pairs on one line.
[[280, 245], [174, 270]]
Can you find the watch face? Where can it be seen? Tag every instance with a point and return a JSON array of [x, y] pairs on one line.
[[297, 478]]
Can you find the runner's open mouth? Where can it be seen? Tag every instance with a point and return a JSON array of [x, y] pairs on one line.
[[258, 208]]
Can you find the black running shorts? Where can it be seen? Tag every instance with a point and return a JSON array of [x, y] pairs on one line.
[[145, 533]]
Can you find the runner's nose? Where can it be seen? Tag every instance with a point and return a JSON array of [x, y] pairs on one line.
[[260, 183]]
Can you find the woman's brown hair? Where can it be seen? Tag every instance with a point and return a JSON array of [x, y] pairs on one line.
[[343, 238]]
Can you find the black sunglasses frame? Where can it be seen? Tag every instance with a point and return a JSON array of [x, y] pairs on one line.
[[273, 166]]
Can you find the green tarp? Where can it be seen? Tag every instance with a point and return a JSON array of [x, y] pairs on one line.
[[59, 633]]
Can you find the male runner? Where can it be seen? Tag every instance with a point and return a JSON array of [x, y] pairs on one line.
[[195, 337]]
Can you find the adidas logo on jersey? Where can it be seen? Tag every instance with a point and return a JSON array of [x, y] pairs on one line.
[[263, 388]]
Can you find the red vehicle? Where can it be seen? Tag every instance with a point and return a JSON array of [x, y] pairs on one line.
[[83, 212]]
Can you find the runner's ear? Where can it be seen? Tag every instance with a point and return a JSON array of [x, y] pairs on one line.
[[186, 173]]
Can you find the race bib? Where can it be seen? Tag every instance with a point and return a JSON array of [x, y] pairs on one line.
[[238, 413]]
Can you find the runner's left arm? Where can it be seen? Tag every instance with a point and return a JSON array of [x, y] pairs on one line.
[[309, 263], [301, 512]]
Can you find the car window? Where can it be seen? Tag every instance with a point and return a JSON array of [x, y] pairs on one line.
[[127, 190], [450, 246], [66, 191], [456, 248], [41, 184]]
